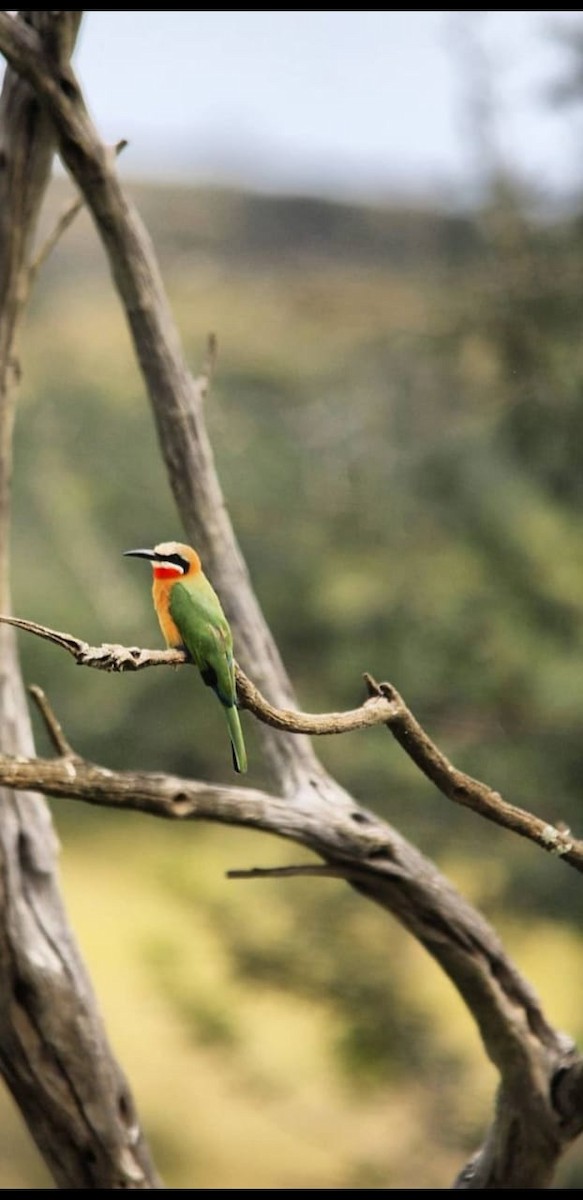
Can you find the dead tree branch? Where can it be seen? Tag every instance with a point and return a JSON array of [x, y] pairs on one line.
[[384, 707], [63, 223], [54, 1055], [536, 1063], [529, 1129]]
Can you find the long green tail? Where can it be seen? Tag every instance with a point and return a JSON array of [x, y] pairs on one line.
[[237, 742]]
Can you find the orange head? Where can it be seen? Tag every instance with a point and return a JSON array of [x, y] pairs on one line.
[[170, 560]]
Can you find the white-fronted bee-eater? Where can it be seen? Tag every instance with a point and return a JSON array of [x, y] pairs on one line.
[[191, 618]]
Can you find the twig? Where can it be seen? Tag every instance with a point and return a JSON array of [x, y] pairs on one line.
[[52, 724], [105, 657], [351, 872], [64, 221], [203, 381], [464, 789], [291, 870]]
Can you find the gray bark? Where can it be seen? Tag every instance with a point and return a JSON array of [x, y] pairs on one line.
[[538, 1110], [54, 1054]]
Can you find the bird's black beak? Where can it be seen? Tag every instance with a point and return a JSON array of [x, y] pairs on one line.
[[151, 554]]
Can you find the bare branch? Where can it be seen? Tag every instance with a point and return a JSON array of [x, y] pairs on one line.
[[176, 398], [62, 225], [53, 725], [203, 383], [374, 711], [527, 1133], [384, 707], [107, 657], [357, 846], [349, 872], [465, 790], [349, 833], [54, 1054], [112, 657]]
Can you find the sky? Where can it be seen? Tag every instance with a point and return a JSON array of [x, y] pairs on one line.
[[354, 104]]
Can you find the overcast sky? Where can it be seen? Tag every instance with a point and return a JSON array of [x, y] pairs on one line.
[[352, 103]]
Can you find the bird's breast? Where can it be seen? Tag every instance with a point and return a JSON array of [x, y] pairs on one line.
[[161, 593]]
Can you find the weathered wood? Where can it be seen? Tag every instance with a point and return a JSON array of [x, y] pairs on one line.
[[54, 1054], [384, 707], [530, 1127]]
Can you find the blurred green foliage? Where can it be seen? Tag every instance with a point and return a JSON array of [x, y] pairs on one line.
[[396, 417]]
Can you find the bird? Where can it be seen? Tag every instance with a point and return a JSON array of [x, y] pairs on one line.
[[191, 617]]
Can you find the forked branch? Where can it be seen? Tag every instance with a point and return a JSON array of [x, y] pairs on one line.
[[383, 707], [529, 1127]]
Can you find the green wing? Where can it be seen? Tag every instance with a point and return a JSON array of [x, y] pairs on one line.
[[197, 612]]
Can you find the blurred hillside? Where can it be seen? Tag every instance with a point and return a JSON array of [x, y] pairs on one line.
[[397, 416], [249, 229]]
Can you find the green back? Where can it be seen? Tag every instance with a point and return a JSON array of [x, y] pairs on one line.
[[196, 610]]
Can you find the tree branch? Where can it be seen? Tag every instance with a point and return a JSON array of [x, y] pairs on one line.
[[54, 1054], [303, 869], [358, 846], [384, 707], [527, 1132], [176, 397], [464, 789], [61, 226], [52, 725]]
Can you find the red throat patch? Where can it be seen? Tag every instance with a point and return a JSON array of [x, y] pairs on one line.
[[166, 571]]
